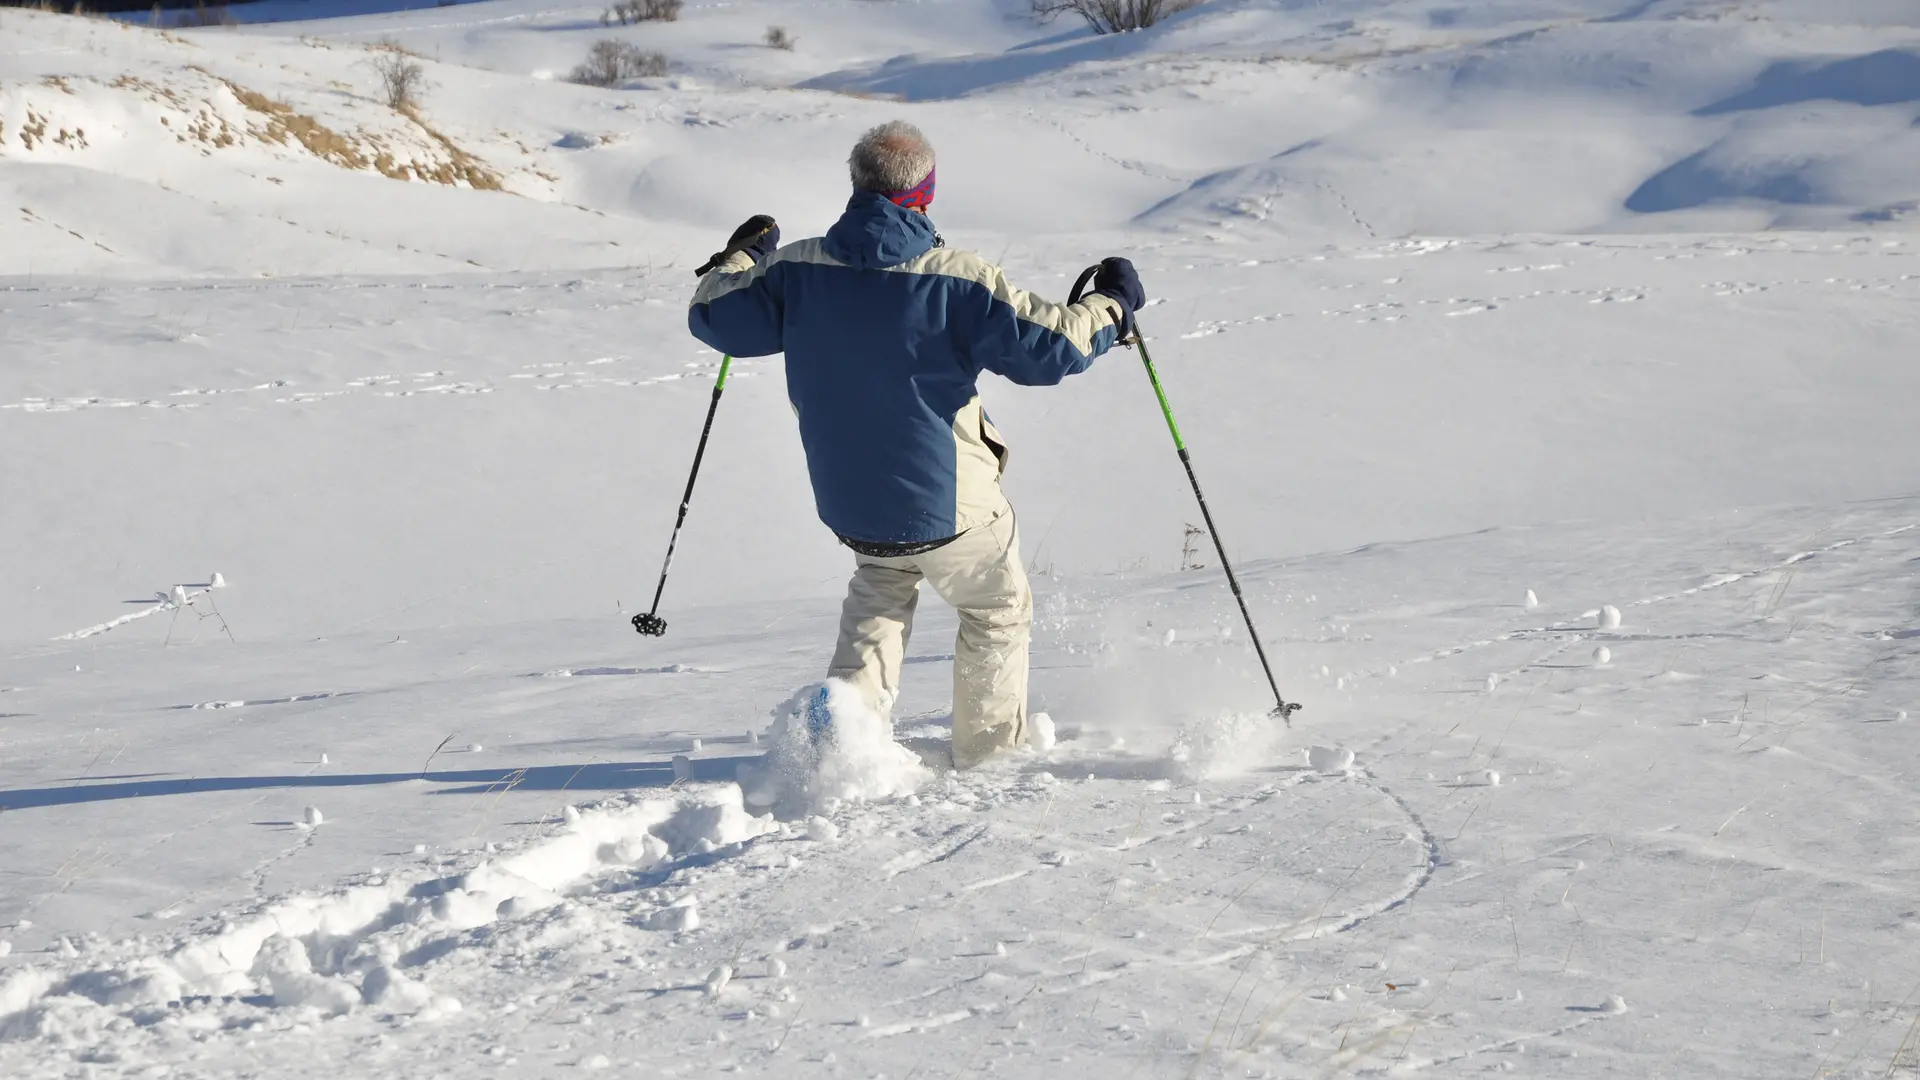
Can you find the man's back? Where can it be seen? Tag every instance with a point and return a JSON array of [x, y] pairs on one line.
[[885, 331]]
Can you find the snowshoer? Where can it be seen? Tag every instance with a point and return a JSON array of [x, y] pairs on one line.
[[885, 330]]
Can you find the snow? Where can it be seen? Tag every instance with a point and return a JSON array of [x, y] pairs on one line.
[[1042, 735], [1458, 305], [1223, 744]]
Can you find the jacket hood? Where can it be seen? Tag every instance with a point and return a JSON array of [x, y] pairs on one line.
[[874, 233]]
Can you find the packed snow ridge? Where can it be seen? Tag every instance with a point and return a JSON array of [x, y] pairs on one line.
[[338, 952]]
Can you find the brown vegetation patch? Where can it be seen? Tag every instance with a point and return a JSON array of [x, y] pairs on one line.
[[460, 168], [34, 130], [323, 142], [282, 122], [208, 128], [154, 92]]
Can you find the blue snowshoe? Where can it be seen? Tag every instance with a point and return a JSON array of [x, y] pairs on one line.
[[819, 716]]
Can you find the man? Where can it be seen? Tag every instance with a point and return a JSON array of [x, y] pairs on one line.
[[885, 330]]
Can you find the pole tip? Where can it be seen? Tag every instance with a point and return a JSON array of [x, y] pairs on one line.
[[1284, 712], [650, 624]]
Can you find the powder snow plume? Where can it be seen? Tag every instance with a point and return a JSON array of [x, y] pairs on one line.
[[855, 760], [1223, 744]]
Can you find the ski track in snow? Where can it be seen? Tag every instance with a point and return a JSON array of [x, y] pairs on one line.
[[1408, 1065]]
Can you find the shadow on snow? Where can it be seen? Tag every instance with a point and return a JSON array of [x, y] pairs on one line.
[[1887, 77], [593, 776]]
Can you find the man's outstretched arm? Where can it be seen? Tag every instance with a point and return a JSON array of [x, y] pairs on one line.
[[1035, 342]]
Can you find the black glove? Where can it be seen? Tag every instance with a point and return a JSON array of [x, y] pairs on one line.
[[1118, 281], [758, 237]]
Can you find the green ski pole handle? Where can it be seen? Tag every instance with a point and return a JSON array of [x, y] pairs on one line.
[[650, 623], [1283, 708]]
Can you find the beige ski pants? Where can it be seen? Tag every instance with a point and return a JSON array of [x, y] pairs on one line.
[[981, 576]]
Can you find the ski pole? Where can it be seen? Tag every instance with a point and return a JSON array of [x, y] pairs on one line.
[[650, 623], [1282, 708]]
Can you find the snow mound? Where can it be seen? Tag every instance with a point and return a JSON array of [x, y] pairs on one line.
[[854, 760], [1223, 744], [1041, 734], [1330, 759]]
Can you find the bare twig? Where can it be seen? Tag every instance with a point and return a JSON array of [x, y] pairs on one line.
[[435, 754], [791, 1020]]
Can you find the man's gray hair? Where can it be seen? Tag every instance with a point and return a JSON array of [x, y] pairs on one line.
[[892, 157]]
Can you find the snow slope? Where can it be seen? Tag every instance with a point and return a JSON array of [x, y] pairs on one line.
[[1358, 120], [1480, 320]]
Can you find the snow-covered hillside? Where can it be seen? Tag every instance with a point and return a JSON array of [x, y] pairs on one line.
[[1481, 319], [1239, 119]]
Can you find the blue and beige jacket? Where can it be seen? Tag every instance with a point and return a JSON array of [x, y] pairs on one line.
[[885, 332]]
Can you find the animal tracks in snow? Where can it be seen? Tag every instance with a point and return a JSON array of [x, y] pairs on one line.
[[1581, 627], [1392, 306], [566, 376], [1394, 310], [291, 699]]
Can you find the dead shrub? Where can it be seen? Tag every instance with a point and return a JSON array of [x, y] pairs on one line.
[[778, 38], [610, 63], [401, 76], [1114, 16], [628, 12]]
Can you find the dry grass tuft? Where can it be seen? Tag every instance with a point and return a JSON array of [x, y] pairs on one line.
[[200, 15], [778, 38], [389, 45], [283, 123], [460, 166]]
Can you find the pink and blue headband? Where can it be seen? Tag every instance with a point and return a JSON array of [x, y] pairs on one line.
[[918, 196]]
